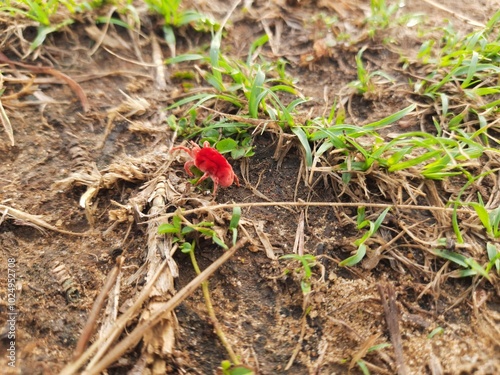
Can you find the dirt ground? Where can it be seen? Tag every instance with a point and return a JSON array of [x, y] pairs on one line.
[[258, 300]]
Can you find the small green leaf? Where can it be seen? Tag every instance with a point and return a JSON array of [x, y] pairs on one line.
[[363, 367], [235, 218], [414, 161], [169, 36], [182, 58], [390, 119], [380, 219], [218, 241], [472, 70], [493, 256], [259, 42], [356, 258], [186, 248], [176, 221], [378, 347], [492, 250], [360, 219], [226, 145], [167, 228], [255, 93], [226, 365], [436, 331], [305, 286]]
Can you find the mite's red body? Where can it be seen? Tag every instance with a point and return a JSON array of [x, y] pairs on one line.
[[211, 162]]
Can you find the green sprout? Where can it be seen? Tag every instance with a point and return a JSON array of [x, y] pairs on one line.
[[180, 231], [308, 261], [380, 16], [360, 243], [230, 369], [366, 82], [175, 17], [179, 228]]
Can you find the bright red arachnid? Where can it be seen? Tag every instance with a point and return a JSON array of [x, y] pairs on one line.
[[211, 163]]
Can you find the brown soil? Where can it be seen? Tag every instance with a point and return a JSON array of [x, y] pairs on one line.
[[257, 300]]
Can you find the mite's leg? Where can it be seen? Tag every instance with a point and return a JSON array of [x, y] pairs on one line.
[[187, 167]]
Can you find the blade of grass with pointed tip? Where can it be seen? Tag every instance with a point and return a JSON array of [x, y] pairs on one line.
[[301, 135], [493, 256], [390, 119], [255, 93], [356, 258], [471, 70], [453, 257], [483, 216], [185, 57], [414, 161], [259, 42], [473, 265]]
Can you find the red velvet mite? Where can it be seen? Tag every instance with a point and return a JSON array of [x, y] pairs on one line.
[[211, 163]]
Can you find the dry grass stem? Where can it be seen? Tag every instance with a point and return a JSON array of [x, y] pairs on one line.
[[134, 337], [298, 246], [159, 342], [363, 350], [388, 299], [455, 14], [23, 218], [101, 345], [157, 55], [303, 326], [47, 70], [6, 124], [264, 239], [96, 308]]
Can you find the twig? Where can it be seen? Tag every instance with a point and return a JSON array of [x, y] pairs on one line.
[[157, 56], [363, 350], [33, 219], [104, 342], [6, 122], [458, 15], [211, 312], [303, 326], [135, 336], [392, 319], [99, 302], [77, 89]]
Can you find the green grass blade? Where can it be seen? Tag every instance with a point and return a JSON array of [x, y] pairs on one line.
[[255, 93], [356, 258], [363, 367], [203, 97], [452, 257], [471, 71], [390, 119], [483, 215], [380, 219], [301, 135], [414, 161], [235, 218], [477, 268], [493, 256], [259, 42], [183, 58]]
